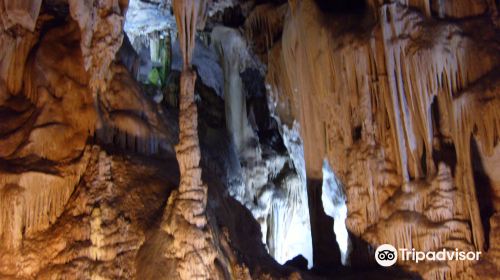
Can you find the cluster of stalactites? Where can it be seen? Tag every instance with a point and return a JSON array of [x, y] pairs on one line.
[[32, 201], [100, 23], [406, 93], [264, 24], [189, 15]]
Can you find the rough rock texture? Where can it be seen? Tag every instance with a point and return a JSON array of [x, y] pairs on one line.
[[102, 228], [101, 27], [191, 253], [54, 100], [129, 120], [45, 92], [394, 100], [21, 12], [400, 98]]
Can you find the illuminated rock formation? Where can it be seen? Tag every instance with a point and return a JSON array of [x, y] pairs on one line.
[[386, 106], [100, 23], [273, 186], [54, 101], [323, 128]]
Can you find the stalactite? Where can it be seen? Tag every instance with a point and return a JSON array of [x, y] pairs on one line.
[[233, 53], [15, 51], [52, 122], [41, 201], [264, 24], [99, 41]]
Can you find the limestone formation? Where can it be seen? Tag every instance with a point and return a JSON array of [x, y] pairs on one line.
[[387, 106], [100, 23], [54, 101], [270, 139]]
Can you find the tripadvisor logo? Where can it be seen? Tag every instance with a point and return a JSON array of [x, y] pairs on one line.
[[387, 255]]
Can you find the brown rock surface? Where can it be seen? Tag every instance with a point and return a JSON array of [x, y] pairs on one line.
[[400, 97], [387, 100]]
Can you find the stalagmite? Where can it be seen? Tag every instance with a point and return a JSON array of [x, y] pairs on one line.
[[192, 251]]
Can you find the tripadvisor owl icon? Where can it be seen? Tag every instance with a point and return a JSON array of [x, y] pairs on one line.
[[386, 255]]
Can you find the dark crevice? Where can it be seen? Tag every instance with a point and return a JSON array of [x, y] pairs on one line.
[[483, 190], [343, 6], [423, 162], [356, 134], [326, 252]]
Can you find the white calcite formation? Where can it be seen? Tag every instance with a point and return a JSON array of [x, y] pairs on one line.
[[233, 55], [145, 17], [334, 204], [291, 214], [278, 204]]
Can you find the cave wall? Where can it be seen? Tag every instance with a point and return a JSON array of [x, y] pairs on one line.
[[87, 160], [400, 97], [392, 95]]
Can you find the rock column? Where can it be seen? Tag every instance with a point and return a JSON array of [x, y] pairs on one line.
[[191, 251]]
